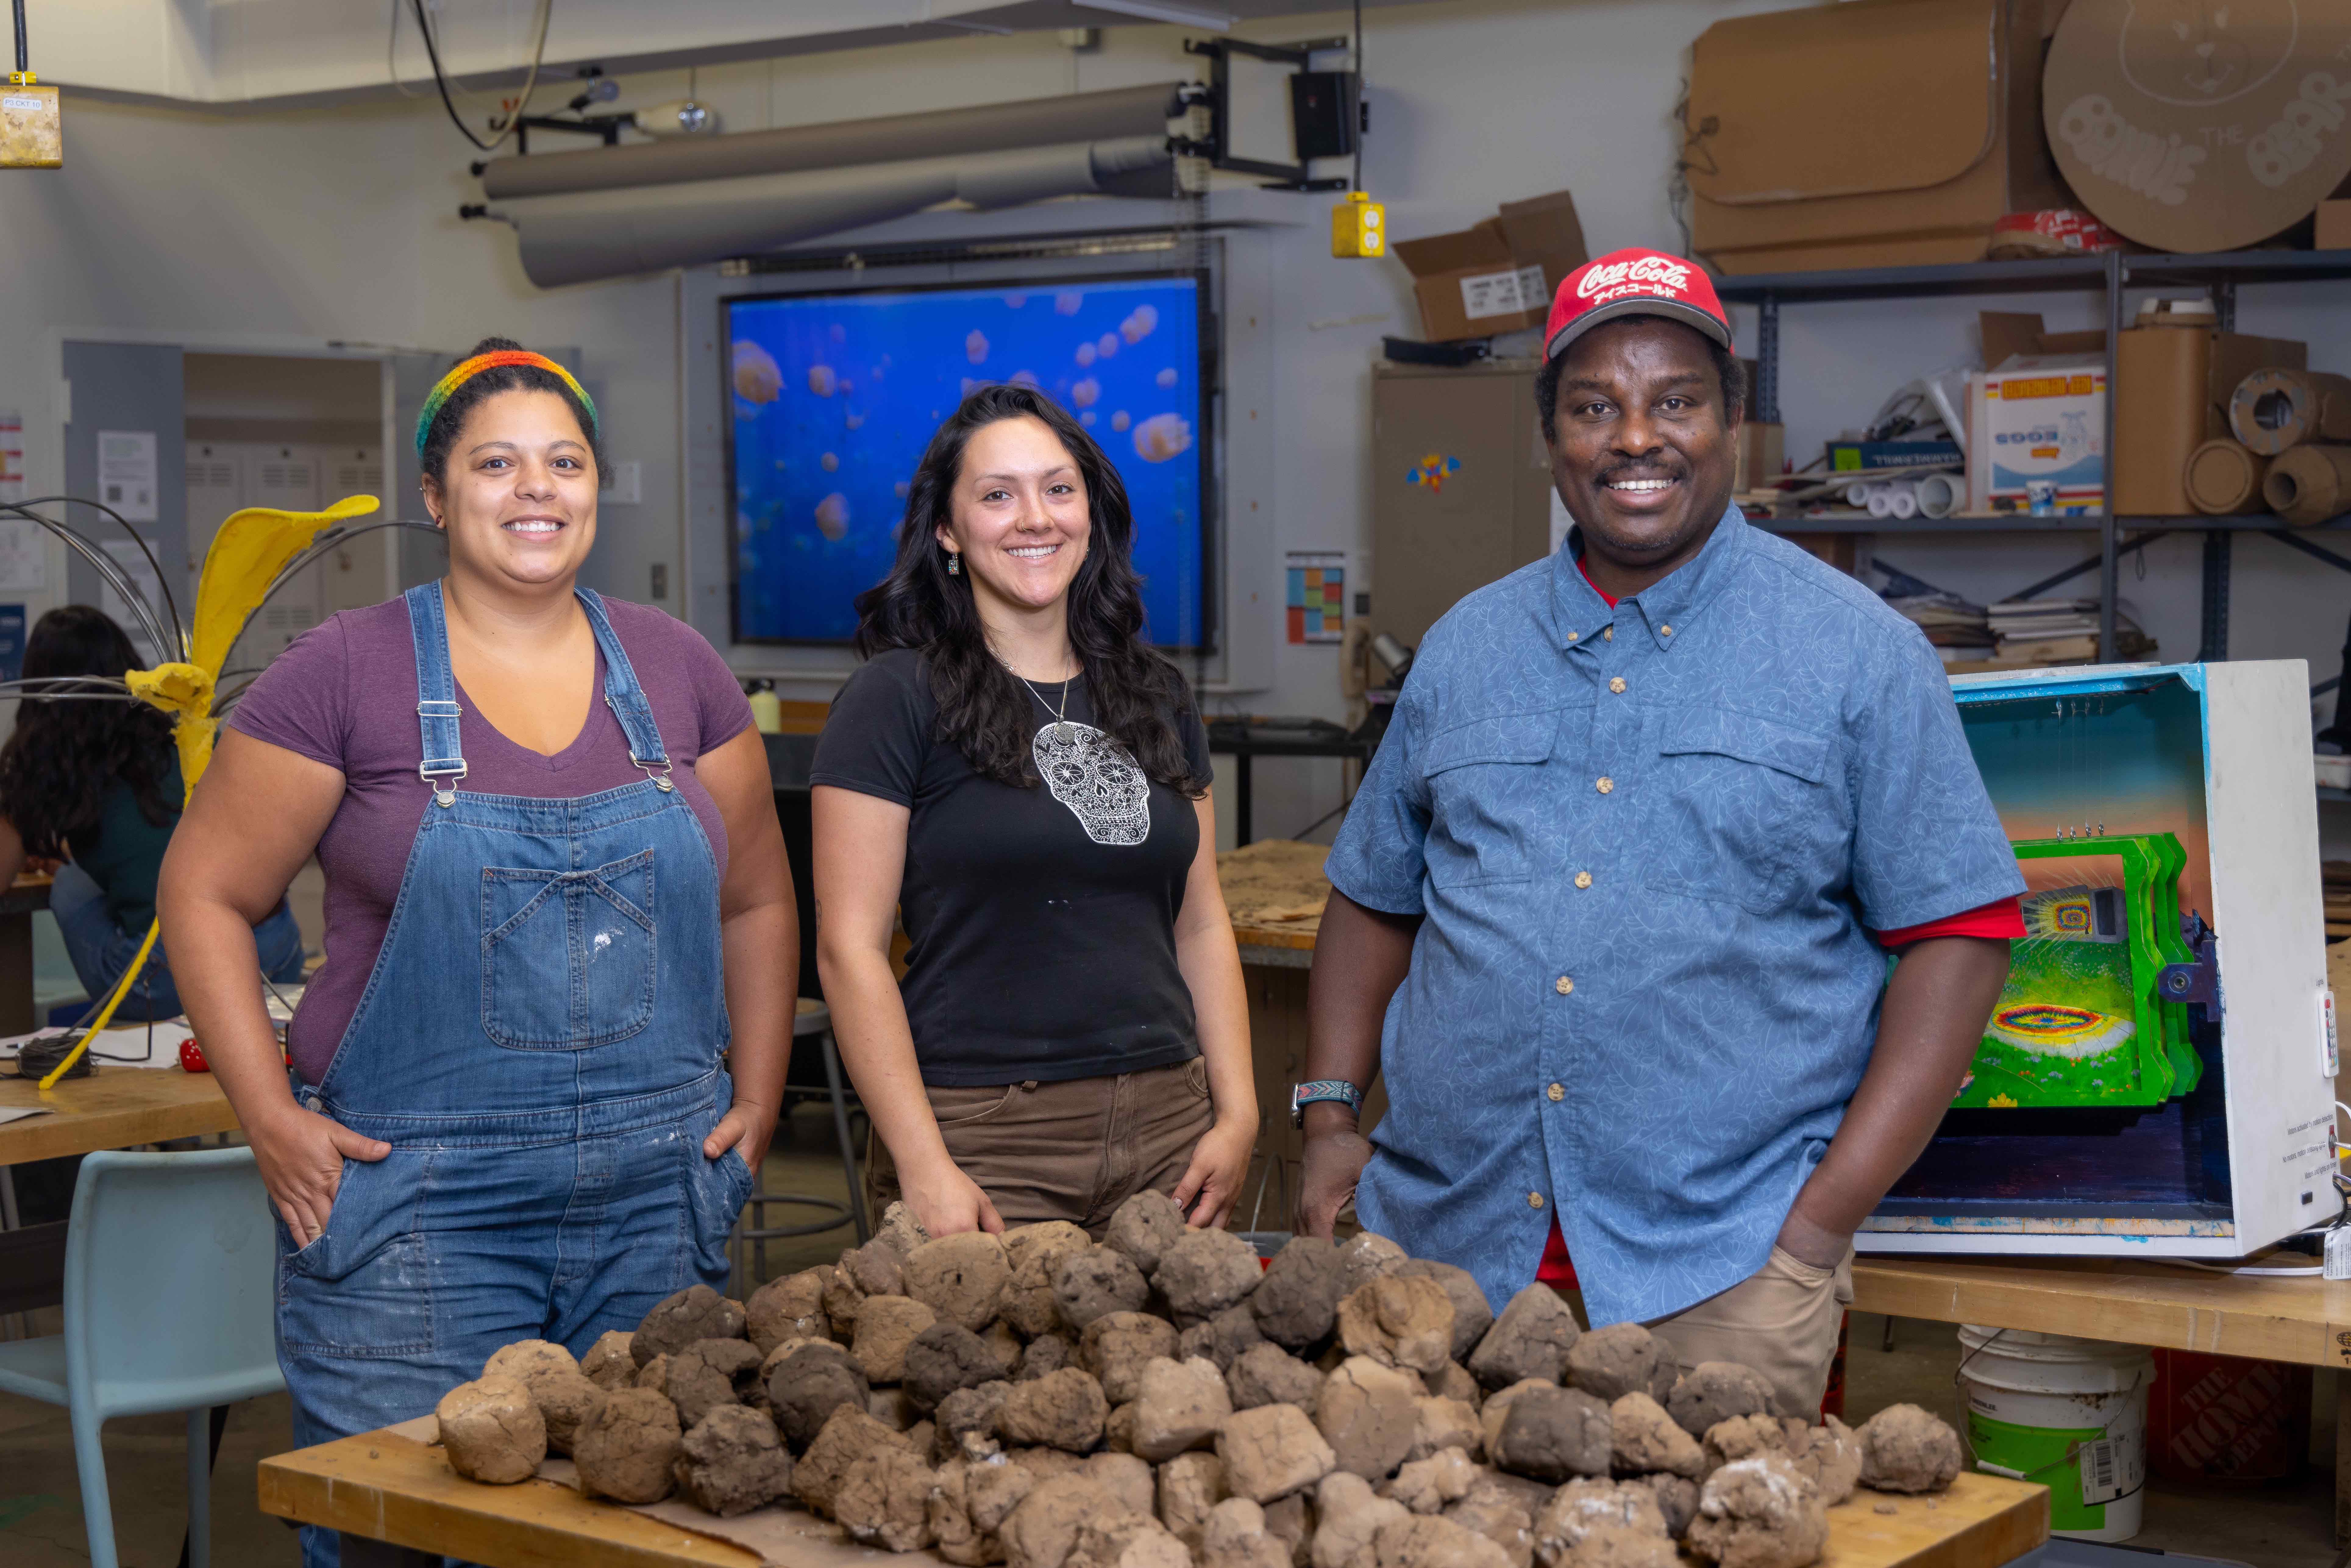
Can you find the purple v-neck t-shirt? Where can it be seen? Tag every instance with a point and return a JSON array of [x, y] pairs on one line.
[[345, 695]]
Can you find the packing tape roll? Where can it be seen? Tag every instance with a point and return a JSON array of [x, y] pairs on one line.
[[2309, 484], [2272, 410], [1881, 501], [2223, 479], [1903, 500], [1939, 495]]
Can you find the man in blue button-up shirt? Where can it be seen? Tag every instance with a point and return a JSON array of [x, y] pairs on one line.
[[1603, 907]]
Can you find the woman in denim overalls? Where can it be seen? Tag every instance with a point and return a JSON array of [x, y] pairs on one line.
[[526, 1129]]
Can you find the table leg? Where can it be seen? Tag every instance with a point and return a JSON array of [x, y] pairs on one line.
[[2343, 1459]]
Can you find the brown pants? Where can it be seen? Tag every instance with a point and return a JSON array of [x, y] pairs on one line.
[[1782, 1321], [1071, 1150]]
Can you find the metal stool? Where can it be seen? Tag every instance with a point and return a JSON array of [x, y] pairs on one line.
[[811, 1017]]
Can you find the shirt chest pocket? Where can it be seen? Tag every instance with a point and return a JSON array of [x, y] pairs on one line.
[[1737, 808], [1488, 783]]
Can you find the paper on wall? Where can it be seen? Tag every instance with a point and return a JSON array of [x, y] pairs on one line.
[[127, 473], [23, 556]]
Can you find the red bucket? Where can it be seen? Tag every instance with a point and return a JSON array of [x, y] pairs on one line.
[[2225, 1419]]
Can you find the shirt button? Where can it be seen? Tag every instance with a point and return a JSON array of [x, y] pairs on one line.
[[1557, 1093], [1583, 879], [1571, 636], [1665, 631], [1616, 684], [1608, 633], [1604, 784], [1563, 985], [1534, 1201]]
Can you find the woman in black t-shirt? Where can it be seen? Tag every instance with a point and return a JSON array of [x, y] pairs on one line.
[[1020, 777]]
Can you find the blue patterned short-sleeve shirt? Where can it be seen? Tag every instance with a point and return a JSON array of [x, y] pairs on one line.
[[1650, 844]]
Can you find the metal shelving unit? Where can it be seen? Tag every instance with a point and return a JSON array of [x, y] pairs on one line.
[[2113, 275]]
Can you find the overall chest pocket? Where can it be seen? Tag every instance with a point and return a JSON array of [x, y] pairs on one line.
[[1737, 808], [1487, 781], [568, 957]]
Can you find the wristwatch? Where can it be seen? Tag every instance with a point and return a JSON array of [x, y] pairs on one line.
[[1301, 1095]]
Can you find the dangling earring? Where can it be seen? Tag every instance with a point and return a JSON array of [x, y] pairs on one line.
[[954, 563]]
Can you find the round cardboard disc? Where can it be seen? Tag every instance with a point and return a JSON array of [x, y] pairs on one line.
[[2200, 125]]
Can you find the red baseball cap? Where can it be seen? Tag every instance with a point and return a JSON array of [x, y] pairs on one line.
[[1634, 282]]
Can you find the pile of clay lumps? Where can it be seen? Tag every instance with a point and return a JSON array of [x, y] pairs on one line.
[[1159, 1400]]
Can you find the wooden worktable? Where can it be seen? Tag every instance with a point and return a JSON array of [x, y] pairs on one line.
[[114, 1108], [392, 1488]]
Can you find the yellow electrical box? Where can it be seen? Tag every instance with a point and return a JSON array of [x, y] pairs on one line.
[[31, 133], [1359, 227]]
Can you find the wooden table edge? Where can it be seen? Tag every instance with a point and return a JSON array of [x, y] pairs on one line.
[[71, 1129], [306, 1486], [423, 1506]]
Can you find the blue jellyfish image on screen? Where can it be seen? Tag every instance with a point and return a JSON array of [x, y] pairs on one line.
[[835, 396]]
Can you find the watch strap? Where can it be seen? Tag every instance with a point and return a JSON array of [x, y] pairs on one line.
[[1322, 1089]]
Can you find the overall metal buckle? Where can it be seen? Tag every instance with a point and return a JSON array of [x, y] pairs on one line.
[[445, 796], [661, 779]]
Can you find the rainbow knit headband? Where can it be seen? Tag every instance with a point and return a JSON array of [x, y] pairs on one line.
[[491, 361]]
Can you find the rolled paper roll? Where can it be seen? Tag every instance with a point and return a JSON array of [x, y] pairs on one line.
[[1903, 500], [1857, 492], [1940, 495], [1881, 501], [2223, 479], [2308, 484], [2272, 410]]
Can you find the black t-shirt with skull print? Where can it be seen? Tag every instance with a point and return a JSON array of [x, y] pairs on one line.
[[1043, 921]]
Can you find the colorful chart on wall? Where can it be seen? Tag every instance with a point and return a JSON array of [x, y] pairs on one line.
[[835, 396]]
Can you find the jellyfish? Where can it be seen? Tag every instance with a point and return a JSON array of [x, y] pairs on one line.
[[1162, 437], [832, 515], [758, 378], [822, 380], [900, 489], [840, 334], [1119, 421], [1166, 379], [1014, 301], [1067, 301], [974, 347], [1139, 323], [846, 386], [1086, 393], [855, 420], [831, 462], [1087, 419], [1085, 355], [1024, 379], [970, 387], [1106, 345]]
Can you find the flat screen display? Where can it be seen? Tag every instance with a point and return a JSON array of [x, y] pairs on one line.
[[835, 396]]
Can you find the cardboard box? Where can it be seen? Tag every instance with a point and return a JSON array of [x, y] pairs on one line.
[[2171, 392], [1857, 457], [2039, 417], [2199, 127], [1873, 133], [1761, 457], [1498, 276], [2334, 226]]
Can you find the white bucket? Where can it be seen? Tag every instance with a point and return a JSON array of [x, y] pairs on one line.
[[2068, 1413]]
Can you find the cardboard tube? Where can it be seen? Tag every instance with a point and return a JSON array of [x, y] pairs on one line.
[[2308, 484], [889, 139], [1940, 495], [2222, 479], [2272, 410]]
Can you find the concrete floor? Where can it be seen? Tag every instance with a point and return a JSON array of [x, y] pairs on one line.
[[2288, 1526]]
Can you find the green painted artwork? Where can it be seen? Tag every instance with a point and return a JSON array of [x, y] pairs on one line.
[[2081, 1021]]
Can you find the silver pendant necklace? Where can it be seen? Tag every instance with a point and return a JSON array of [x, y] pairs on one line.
[[1064, 732]]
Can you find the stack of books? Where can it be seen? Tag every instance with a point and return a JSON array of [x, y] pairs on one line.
[[1959, 631], [2060, 632]]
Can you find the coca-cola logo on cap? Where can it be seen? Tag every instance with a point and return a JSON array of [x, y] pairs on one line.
[[1607, 280]]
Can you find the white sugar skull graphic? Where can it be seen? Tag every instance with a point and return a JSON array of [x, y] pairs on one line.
[[1094, 777]]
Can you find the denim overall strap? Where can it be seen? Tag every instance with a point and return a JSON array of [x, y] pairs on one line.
[[625, 697], [436, 694]]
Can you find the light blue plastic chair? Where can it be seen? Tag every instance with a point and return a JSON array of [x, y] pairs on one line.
[[170, 1285]]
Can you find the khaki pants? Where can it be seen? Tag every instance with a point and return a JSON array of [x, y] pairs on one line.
[[1782, 1321], [1071, 1150]]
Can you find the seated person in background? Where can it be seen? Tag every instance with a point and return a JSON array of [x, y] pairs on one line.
[[96, 784]]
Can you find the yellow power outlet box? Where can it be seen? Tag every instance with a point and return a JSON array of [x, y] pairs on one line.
[[1359, 227], [32, 133]]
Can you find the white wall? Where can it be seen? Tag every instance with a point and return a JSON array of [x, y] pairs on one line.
[[340, 224]]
